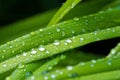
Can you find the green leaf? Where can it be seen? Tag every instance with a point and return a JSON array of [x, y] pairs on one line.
[[58, 32], [111, 75], [67, 6], [58, 47], [82, 69]]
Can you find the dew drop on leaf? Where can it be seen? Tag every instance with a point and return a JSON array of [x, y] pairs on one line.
[[33, 51], [45, 78], [32, 33], [56, 42], [58, 29], [11, 47], [4, 65], [81, 63], [47, 52], [8, 78], [69, 68], [24, 54], [41, 48], [21, 66], [81, 39], [53, 76], [93, 61], [76, 18], [49, 67], [32, 78], [113, 51]]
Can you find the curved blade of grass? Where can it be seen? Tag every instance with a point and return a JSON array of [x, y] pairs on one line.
[[111, 75], [49, 65], [75, 57], [63, 45], [60, 31], [33, 23], [24, 71], [82, 69], [86, 8], [114, 51], [66, 7], [115, 3]]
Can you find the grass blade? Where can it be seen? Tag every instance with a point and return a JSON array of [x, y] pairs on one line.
[[63, 45], [67, 6], [60, 31], [111, 75]]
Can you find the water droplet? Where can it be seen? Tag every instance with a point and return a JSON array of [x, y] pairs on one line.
[[8, 78], [113, 51], [109, 62], [21, 66], [41, 48], [32, 33], [11, 47], [62, 57], [58, 29], [53, 76], [4, 65], [69, 68], [81, 63], [40, 30], [93, 61], [73, 32], [32, 78], [24, 54], [13, 51], [4, 51], [46, 78], [56, 42], [68, 41], [76, 19], [49, 67], [81, 39], [33, 51], [47, 52], [23, 43]]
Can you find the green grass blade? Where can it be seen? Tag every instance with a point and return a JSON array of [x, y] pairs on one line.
[[58, 32], [111, 75], [24, 71], [58, 47], [67, 6], [114, 51], [82, 69], [12, 31], [47, 66]]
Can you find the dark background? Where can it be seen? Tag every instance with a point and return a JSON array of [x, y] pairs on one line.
[[13, 10]]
